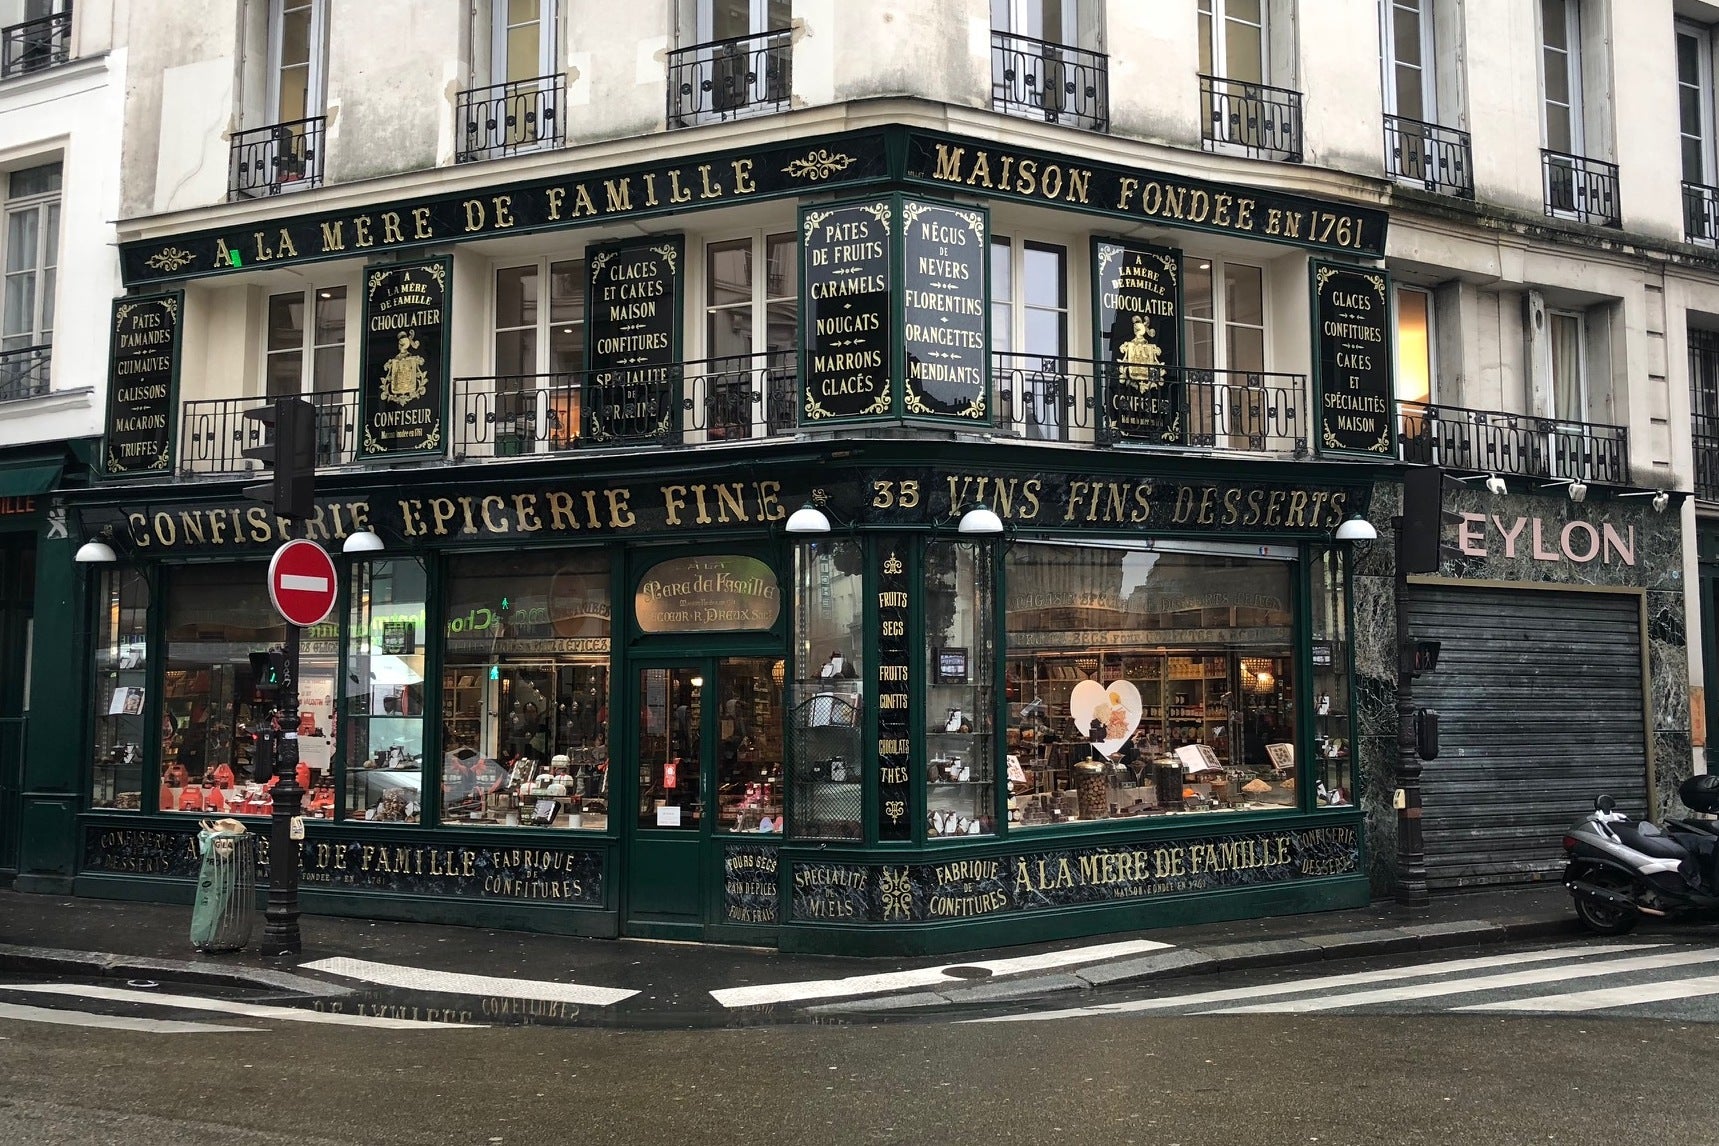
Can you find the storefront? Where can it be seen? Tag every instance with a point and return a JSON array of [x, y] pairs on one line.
[[644, 707], [1562, 673]]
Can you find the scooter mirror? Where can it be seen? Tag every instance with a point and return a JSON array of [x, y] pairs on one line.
[[1604, 804]]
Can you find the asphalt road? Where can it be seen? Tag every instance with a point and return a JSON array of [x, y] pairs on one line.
[[1473, 1080]]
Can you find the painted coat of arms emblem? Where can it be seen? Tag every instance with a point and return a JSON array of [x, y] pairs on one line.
[[404, 378]]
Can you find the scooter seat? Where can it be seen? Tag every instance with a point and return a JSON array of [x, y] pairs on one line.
[[1652, 843]]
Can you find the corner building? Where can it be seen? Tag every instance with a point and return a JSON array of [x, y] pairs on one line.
[[868, 479]]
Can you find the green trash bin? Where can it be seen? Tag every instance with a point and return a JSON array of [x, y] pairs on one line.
[[225, 907]]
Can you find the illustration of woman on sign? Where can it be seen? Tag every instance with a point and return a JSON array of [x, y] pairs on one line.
[[404, 378], [1142, 361]]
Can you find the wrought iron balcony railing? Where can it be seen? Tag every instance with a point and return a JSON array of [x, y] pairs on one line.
[[1438, 158], [729, 79], [1053, 82], [1054, 399], [213, 433], [36, 44], [279, 157], [1487, 441], [1261, 121], [505, 119], [1580, 188], [24, 372], [1701, 214], [734, 398]]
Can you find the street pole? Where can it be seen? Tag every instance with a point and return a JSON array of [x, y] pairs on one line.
[[1411, 845], [280, 917]]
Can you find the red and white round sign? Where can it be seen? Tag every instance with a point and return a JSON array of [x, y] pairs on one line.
[[302, 583]]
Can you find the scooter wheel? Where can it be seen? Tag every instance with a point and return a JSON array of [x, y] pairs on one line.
[[1605, 918]]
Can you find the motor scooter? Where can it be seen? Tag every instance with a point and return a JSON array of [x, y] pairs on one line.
[[1619, 870]]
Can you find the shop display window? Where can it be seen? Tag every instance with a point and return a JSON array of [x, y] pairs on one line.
[[121, 678], [749, 754], [828, 698], [526, 690], [960, 764], [1148, 681], [217, 615], [1332, 742], [383, 700]]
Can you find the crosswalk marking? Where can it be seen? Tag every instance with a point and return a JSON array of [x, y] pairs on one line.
[[26, 1014], [454, 983], [229, 1006], [1606, 997], [1483, 983], [1358, 978], [766, 993]]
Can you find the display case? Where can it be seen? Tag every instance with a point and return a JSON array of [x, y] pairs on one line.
[[824, 749], [960, 699]]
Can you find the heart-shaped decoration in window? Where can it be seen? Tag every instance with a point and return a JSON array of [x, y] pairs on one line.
[[1110, 711]]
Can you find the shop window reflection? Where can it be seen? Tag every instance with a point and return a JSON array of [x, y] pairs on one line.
[[1148, 682], [824, 752], [121, 676], [525, 691], [1332, 739], [383, 699], [960, 776], [749, 745]]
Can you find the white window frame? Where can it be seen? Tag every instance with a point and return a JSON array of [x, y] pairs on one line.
[[758, 19], [316, 79], [1583, 398], [44, 269], [1573, 71], [543, 434], [1026, 18], [308, 345], [548, 47], [1703, 37], [1388, 10], [1216, 14], [760, 302], [1229, 380], [1052, 365]]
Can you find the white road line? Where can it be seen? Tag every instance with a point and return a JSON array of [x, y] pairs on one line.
[[1483, 983], [765, 993], [454, 983], [110, 1022], [230, 1007], [1358, 978], [1606, 997]]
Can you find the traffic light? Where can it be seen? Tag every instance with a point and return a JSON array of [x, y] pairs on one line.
[[261, 740], [268, 674], [1421, 529], [288, 435]]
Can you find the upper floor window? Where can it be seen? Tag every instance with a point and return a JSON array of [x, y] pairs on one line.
[[31, 256], [1422, 144], [1414, 345], [522, 40], [751, 331], [517, 99], [298, 37], [1030, 338], [283, 152], [728, 19], [739, 63], [539, 357], [34, 34], [1575, 184], [1695, 102], [1568, 337], [1046, 62], [1240, 108], [1233, 40], [306, 351], [1052, 21], [1561, 75], [1409, 70]]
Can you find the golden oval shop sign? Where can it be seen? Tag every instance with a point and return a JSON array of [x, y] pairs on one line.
[[708, 594]]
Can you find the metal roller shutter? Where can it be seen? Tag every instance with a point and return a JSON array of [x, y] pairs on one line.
[[1540, 700]]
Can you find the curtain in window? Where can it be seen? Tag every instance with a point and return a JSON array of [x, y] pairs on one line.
[[1567, 398]]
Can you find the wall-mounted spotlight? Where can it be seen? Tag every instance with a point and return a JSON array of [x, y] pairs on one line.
[[807, 519], [1496, 486], [1661, 498], [1357, 528], [364, 541], [95, 553], [1576, 487], [980, 519]]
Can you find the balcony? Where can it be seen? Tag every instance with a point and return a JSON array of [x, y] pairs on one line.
[[506, 119], [1053, 82], [1701, 214], [24, 372], [736, 398], [1079, 400], [1258, 120], [35, 44], [1486, 441], [1580, 188], [1437, 158], [213, 434], [279, 157], [730, 79]]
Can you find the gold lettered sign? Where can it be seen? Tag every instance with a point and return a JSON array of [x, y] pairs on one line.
[[1137, 316], [944, 256], [403, 383], [632, 323], [724, 593], [1352, 360], [845, 272], [142, 385]]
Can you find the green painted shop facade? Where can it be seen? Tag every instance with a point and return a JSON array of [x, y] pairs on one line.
[[623, 683]]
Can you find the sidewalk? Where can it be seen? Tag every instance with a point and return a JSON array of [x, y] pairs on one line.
[[672, 983]]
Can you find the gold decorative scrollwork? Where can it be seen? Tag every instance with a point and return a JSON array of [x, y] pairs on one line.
[[170, 259], [819, 164], [881, 405], [895, 889]]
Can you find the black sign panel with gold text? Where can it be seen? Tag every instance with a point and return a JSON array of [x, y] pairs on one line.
[[1352, 360], [845, 267], [944, 256], [142, 385], [632, 309], [403, 378], [1137, 310], [895, 691]]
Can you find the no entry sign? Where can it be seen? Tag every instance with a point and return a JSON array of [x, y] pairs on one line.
[[302, 583]]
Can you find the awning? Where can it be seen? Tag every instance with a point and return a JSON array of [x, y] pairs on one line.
[[27, 481]]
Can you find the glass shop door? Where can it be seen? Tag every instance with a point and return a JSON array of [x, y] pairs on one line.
[[672, 753]]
